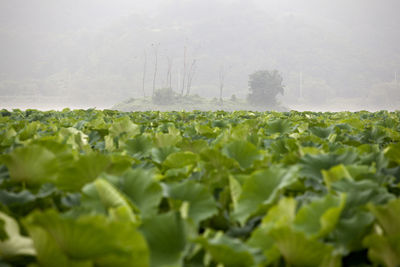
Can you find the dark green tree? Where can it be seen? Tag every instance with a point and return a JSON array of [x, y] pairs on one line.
[[264, 86]]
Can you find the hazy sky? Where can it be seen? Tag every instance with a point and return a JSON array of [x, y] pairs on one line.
[[341, 45]]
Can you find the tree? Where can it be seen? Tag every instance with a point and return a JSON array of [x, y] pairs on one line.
[[190, 76], [144, 73], [164, 96], [155, 66], [221, 83], [264, 86]]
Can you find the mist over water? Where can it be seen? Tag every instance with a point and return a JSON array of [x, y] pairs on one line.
[[332, 55]]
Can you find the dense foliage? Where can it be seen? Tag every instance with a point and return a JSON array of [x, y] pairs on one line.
[[264, 87], [164, 96], [106, 188]]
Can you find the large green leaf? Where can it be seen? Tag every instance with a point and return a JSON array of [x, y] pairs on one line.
[[139, 147], [312, 165], [201, 203], [298, 250], [229, 251], [82, 171], [10, 198], [262, 188], [32, 164], [86, 241], [181, 159], [382, 250], [360, 193], [109, 195], [335, 174], [124, 125], [143, 190], [172, 138], [281, 126], [245, 153], [13, 243], [385, 247], [388, 217], [166, 236], [279, 215], [160, 154], [319, 217]]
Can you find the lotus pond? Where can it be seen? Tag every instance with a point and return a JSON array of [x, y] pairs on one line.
[[107, 188]]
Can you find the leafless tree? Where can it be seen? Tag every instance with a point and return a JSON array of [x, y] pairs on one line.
[[169, 73], [222, 74], [190, 76], [144, 73], [155, 47], [184, 70], [221, 83]]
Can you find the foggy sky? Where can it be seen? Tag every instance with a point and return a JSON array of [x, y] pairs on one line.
[[95, 48]]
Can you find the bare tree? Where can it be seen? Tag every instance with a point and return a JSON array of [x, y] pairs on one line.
[[144, 73], [221, 83], [184, 70], [169, 73], [155, 46], [190, 76]]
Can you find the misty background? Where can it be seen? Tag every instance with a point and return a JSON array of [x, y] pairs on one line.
[[332, 55]]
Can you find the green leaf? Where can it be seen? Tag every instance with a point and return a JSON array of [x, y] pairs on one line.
[[245, 153], [124, 125], [73, 137], [319, 217], [262, 188], [82, 171], [299, 250], [3, 233], [166, 236], [143, 190], [360, 193], [139, 147], [12, 242], [335, 174], [181, 159], [229, 251], [29, 131], [32, 164], [109, 195], [158, 155], [235, 189], [86, 241], [281, 126], [382, 251], [10, 198], [388, 217], [279, 215], [392, 152], [169, 139], [312, 165], [201, 203], [350, 231]]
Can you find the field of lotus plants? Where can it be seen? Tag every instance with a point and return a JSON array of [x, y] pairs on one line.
[[83, 188]]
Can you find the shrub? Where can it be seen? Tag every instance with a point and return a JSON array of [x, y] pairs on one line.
[[164, 96]]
